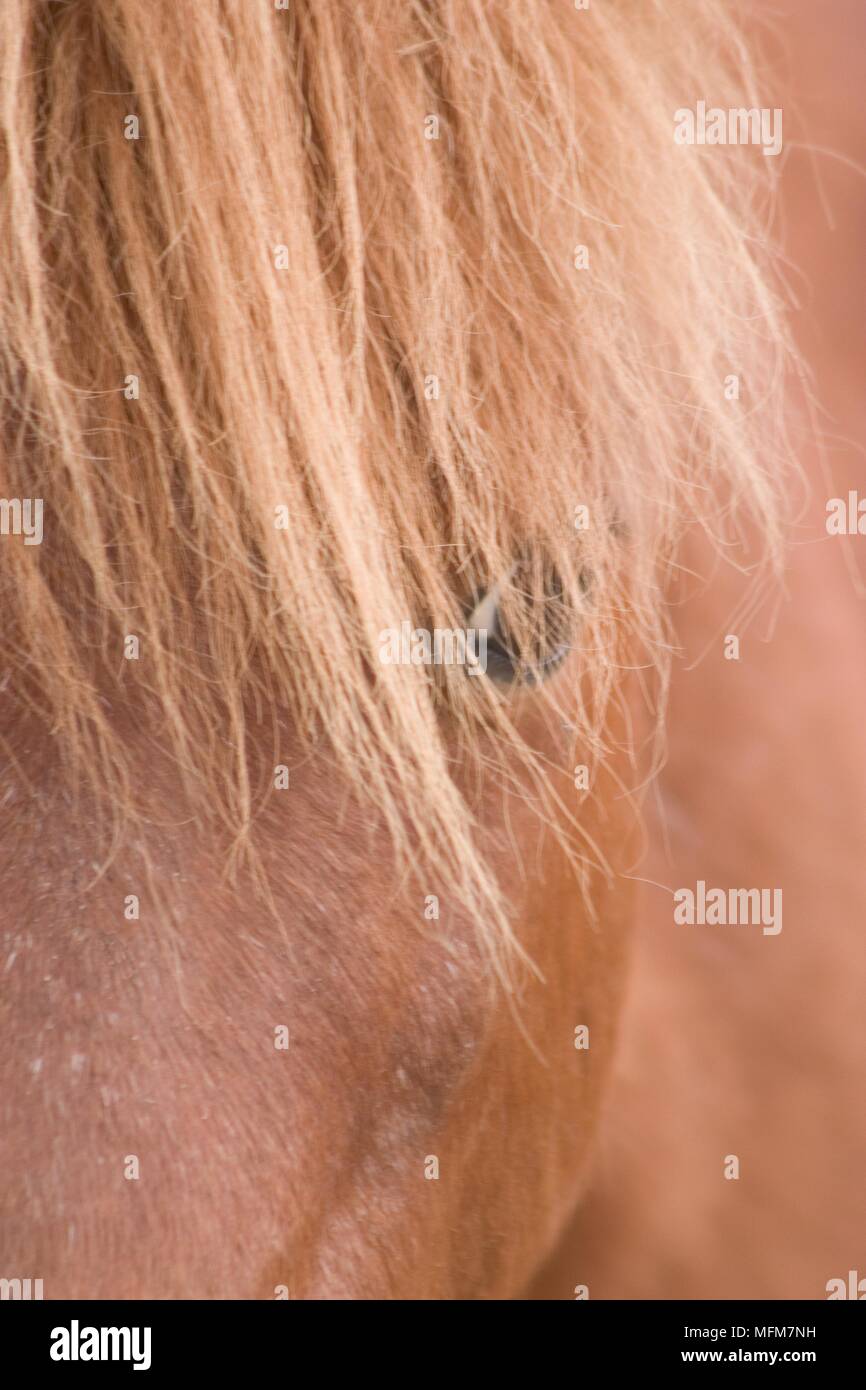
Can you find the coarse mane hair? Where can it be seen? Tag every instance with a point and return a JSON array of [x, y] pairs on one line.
[[310, 348]]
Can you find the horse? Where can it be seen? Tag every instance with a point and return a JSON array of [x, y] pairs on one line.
[[319, 324]]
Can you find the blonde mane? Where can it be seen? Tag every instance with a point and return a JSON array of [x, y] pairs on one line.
[[310, 348]]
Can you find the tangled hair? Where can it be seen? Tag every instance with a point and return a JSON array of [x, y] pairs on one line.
[[390, 336]]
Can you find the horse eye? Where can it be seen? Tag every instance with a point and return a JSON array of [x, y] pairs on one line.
[[551, 628]]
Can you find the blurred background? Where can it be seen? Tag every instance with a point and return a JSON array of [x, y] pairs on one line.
[[733, 1042]]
